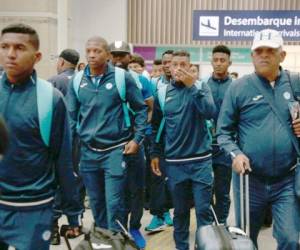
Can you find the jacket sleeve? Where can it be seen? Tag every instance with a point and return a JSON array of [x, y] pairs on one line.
[[156, 149], [203, 100], [73, 106], [137, 104], [227, 125], [61, 149]]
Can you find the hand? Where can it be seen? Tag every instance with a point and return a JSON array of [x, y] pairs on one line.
[[73, 232], [241, 163], [155, 166], [185, 77], [296, 127], [131, 148]]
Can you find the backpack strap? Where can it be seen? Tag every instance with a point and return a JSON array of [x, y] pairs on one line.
[[138, 83], [199, 84], [76, 81], [209, 126], [160, 83], [121, 87], [161, 95], [255, 81], [295, 83], [76, 84], [136, 79], [44, 91], [153, 82], [204, 79]]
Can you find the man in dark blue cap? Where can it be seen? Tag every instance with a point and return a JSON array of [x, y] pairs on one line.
[[66, 65]]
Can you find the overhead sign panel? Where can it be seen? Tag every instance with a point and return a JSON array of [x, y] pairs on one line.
[[242, 25]]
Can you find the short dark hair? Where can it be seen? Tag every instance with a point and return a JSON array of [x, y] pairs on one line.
[[157, 62], [182, 53], [221, 49], [23, 29], [168, 52], [100, 40], [136, 58]]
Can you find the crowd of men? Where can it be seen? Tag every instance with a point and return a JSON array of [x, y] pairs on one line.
[[100, 130]]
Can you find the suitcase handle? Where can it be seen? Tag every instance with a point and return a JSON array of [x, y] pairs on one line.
[[214, 214], [244, 202], [245, 225]]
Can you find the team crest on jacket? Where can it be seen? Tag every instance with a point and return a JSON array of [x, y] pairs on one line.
[[82, 85], [108, 86], [46, 235], [287, 95], [258, 97]]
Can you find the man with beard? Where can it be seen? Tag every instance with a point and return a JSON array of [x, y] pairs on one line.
[[256, 128], [66, 65], [134, 202], [159, 192], [185, 144]]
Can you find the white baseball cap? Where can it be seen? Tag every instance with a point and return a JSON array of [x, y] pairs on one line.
[[267, 38]]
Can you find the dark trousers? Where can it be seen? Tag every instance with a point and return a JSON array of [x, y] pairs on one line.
[[134, 190], [221, 191], [160, 196], [148, 172], [58, 207], [105, 180], [74, 214], [195, 177], [285, 208]]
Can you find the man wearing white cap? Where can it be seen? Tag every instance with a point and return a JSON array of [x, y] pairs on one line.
[[256, 110]]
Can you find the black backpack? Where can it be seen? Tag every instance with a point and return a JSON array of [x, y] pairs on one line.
[[100, 238]]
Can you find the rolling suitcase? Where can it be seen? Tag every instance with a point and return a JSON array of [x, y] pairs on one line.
[[221, 237]]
